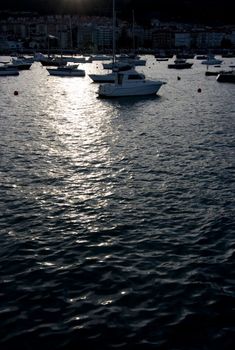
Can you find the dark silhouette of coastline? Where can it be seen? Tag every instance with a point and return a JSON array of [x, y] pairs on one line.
[[200, 11]]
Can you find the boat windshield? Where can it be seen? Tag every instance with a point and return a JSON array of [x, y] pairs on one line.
[[135, 77], [120, 79]]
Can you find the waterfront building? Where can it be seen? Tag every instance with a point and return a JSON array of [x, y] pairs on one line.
[[95, 33], [210, 38], [7, 44], [183, 40], [163, 38], [104, 37]]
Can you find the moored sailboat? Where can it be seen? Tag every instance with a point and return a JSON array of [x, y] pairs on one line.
[[67, 71]]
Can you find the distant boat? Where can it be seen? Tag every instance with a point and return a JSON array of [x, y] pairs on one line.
[[180, 63], [52, 61], [130, 83], [49, 61], [211, 61], [228, 54], [162, 59], [201, 57], [116, 65], [20, 64], [67, 71], [75, 59], [161, 56], [93, 58], [215, 73], [226, 77], [21, 58], [123, 60], [109, 77], [6, 71], [185, 55], [131, 59]]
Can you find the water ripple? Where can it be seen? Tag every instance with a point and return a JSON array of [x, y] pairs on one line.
[[117, 216]]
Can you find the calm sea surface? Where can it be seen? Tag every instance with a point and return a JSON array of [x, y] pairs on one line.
[[117, 216]]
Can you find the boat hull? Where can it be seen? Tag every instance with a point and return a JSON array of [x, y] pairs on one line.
[[180, 66], [211, 62], [72, 73], [8, 72], [208, 73], [52, 63], [226, 78], [20, 66], [114, 90], [164, 59], [216, 73]]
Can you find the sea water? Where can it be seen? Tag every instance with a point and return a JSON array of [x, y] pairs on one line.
[[117, 216]]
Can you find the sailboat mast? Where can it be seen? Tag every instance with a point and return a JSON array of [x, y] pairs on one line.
[[61, 53], [133, 31], [114, 28], [70, 33]]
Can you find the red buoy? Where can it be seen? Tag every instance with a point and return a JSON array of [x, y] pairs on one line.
[[16, 93]]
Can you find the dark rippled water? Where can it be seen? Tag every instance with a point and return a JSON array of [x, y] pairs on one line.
[[117, 216]]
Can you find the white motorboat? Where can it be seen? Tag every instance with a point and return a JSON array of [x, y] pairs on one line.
[[67, 71], [130, 83], [211, 61]]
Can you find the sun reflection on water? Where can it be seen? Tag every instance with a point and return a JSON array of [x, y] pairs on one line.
[[80, 151]]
